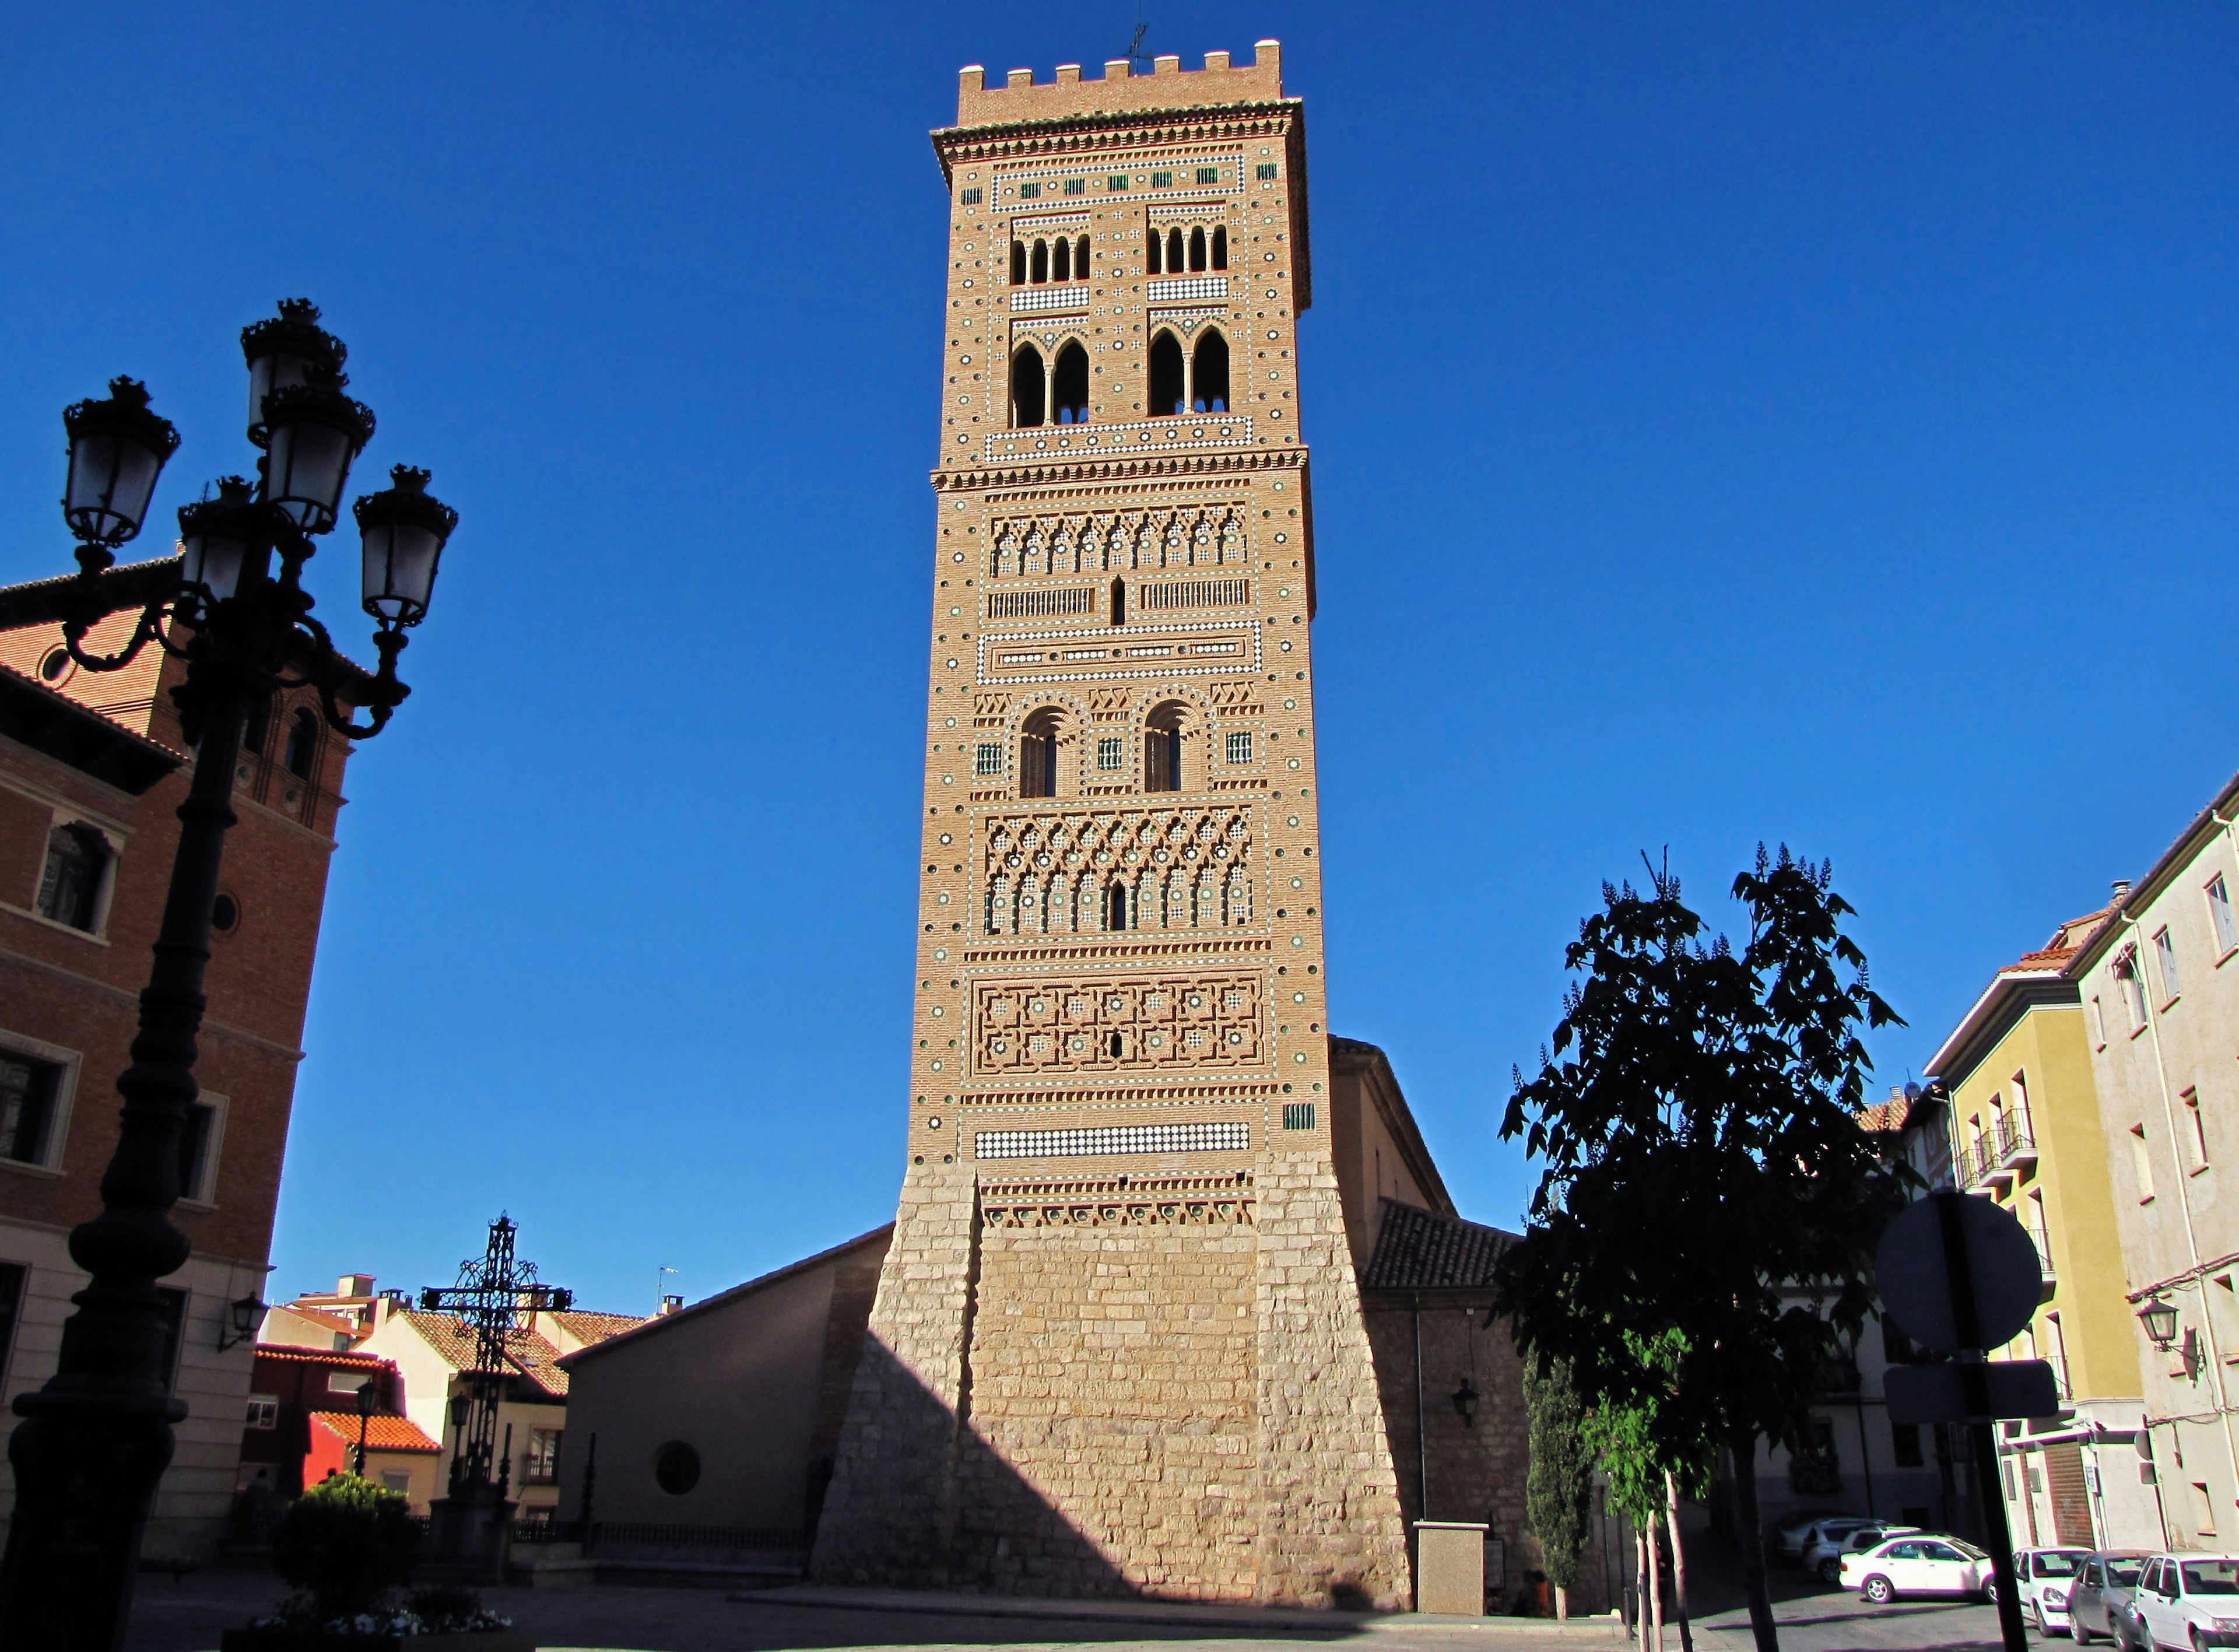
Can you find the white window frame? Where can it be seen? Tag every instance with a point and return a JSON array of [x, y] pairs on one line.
[[113, 842], [50, 1165], [1237, 749], [2223, 921], [2166, 966], [264, 1411], [204, 1195], [2129, 971]]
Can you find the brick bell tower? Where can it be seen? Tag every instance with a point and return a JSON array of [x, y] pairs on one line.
[[1118, 1345]]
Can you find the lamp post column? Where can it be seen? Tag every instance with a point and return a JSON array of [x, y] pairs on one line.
[[96, 1439]]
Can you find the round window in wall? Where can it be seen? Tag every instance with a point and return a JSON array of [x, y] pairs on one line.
[[676, 1467]]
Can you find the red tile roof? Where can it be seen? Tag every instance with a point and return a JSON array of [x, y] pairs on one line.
[[597, 1327], [321, 1357], [381, 1433], [526, 1355]]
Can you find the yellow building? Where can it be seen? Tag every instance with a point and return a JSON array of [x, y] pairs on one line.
[[2026, 1134]]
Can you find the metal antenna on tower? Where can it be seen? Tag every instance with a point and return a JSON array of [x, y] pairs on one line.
[[1136, 58]]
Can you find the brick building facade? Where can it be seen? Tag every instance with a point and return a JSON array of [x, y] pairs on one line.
[[1118, 1344], [92, 770]]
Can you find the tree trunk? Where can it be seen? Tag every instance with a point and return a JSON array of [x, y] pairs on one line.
[[1752, 1542], [1655, 1578], [1562, 1605], [1679, 1560], [1639, 1589]]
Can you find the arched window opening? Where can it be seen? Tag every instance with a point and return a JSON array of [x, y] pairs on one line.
[[1115, 918], [1197, 247], [70, 885], [1061, 260], [1070, 383], [1220, 247], [1162, 748], [302, 742], [1119, 602], [1166, 375], [1158, 253], [1026, 386], [260, 715], [1018, 263], [1209, 373], [1174, 251], [1080, 259], [1040, 273], [1038, 755]]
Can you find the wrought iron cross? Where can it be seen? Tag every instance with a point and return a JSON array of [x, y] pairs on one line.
[[494, 1290]]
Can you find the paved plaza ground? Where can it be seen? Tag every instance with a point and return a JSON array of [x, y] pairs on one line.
[[188, 1615]]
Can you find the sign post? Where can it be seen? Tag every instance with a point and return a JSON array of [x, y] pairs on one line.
[[1961, 1276]]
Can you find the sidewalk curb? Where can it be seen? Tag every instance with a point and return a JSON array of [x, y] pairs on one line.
[[1304, 1620]]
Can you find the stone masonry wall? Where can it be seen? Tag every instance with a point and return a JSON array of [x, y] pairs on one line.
[[1116, 1369], [1330, 1526]]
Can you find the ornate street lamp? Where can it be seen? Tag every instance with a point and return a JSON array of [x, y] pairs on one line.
[[2159, 1317], [95, 1440], [247, 1313]]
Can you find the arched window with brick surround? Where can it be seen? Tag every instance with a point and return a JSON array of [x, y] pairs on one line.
[[1039, 270], [1167, 386], [1061, 259], [1069, 383], [1018, 263], [1028, 386], [1041, 745], [1209, 373], [1163, 743]]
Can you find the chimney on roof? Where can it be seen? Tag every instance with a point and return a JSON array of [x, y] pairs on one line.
[[2121, 888], [672, 1304], [353, 1285]]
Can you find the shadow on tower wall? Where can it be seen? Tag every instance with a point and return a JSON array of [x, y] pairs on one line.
[[919, 1499]]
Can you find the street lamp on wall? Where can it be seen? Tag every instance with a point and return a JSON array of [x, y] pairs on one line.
[[94, 1440], [246, 1315], [1465, 1399], [2159, 1318]]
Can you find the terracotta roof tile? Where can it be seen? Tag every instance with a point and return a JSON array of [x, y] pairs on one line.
[[526, 1355], [321, 1357], [1418, 1249], [381, 1433], [597, 1327]]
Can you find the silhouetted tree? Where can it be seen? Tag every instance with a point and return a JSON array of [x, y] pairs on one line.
[[1706, 1179]]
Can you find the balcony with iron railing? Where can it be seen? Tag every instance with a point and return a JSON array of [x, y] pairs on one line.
[[2042, 1241], [2017, 1141]]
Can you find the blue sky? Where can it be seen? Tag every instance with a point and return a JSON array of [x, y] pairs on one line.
[[1730, 421]]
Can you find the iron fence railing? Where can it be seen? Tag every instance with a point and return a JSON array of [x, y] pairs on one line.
[[2015, 1135], [632, 1534]]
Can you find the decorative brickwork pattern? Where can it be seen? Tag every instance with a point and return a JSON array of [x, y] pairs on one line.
[[1121, 1022], [1199, 538], [1180, 869]]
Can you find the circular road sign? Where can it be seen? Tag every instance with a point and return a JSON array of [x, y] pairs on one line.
[[1914, 1269]]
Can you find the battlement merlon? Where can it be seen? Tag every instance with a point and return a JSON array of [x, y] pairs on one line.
[[1120, 91]]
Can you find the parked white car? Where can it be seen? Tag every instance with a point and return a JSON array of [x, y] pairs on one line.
[[1823, 1559], [2186, 1603], [1920, 1564], [2046, 1575]]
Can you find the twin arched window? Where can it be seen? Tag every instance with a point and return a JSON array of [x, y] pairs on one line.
[[1196, 382], [1054, 394], [1045, 735], [1181, 250], [1044, 261]]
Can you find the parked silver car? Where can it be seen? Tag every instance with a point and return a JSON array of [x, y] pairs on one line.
[[2100, 1594], [1823, 1540]]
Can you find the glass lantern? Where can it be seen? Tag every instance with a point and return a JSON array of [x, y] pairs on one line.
[[117, 447], [403, 529]]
